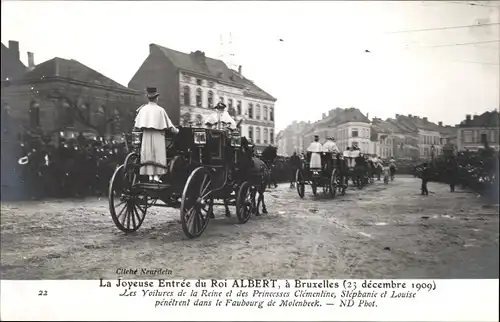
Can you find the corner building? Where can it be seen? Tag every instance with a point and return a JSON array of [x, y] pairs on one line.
[[190, 85]]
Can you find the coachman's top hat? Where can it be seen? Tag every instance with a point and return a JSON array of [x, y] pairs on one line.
[[152, 92]]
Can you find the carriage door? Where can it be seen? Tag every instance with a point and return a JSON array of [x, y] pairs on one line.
[[215, 148]]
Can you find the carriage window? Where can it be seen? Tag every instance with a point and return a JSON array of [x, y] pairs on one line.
[[210, 99], [257, 112], [257, 135], [216, 145], [187, 95], [250, 111], [238, 107], [198, 97], [264, 116]]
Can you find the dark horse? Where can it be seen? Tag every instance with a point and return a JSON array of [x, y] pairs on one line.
[[257, 172]]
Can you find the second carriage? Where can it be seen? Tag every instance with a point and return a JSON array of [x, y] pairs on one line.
[[203, 166], [328, 177]]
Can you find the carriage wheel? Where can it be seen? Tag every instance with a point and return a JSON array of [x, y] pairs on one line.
[[197, 202], [127, 211], [245, 201], [299, 181], [131, 172], [333, 183]]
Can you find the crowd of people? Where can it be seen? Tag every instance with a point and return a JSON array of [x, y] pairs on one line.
[[478, 171], [33, 168]]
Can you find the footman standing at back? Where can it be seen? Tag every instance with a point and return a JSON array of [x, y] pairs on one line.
[[153, 120]]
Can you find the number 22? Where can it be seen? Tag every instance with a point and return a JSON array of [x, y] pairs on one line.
[[42, 293]]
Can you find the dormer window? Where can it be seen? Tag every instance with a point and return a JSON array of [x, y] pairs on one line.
[[199, 82]]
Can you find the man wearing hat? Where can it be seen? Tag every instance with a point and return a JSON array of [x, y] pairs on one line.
[[153, 120], [315, 148]]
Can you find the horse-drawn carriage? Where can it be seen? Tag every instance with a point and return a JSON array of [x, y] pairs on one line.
[[328, 177], [203, 165]]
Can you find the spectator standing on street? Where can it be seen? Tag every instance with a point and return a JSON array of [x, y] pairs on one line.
[[452, 173], [294, 165], [425, 179]]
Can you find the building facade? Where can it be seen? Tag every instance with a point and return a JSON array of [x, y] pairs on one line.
[[63, 97], [291, 138], [190, 85], [474, 132], [347, 126]]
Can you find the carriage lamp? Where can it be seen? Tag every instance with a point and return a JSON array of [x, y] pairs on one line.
[[136, 139], [200, 137]]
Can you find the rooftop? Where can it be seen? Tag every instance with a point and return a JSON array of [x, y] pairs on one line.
[[69, 69], [197, 62], [487, 119]]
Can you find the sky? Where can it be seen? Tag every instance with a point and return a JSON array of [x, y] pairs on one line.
[[321, 63]]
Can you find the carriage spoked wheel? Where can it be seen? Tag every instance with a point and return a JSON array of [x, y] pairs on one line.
[[127, 210], [299, 182], [333, 183], [197, 202], [245, 202], [131, 171]]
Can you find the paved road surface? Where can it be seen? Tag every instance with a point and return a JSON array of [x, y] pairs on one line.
[[384, 231]]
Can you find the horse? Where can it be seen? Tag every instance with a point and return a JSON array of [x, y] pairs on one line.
[[257, 172]]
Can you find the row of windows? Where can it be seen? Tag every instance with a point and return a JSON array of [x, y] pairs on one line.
[[469, 137], [429, 139], [69, 115], [258, 139], [267, 112]]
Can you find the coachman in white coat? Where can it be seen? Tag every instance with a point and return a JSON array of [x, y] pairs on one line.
[[315, 148], [153, 120]]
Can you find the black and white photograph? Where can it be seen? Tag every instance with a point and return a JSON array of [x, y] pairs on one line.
[[246, 139]]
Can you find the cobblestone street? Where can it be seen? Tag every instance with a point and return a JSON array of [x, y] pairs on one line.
[[382, 231]]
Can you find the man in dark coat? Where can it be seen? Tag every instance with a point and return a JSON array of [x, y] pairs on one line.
[[294, 165], [425, 179], [452, 173]]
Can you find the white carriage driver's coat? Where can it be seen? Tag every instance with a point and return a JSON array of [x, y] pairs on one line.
[[153, 120], [315, 148], [330, 146], [224, 118]]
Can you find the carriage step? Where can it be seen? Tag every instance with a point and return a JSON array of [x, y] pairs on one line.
[[153, 186]]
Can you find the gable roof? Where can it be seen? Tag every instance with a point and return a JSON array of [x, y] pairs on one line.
[[197, 62], [339, 116], [487, 119], [12, 66], [69, 69]]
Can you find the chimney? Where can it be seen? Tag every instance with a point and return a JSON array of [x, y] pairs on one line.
[[324, 116], [330, 112], [467, 117], [425, 119], [409, 115], [239, 69], [475, 116], [397, 115], [31, 60], [14, 48], [440, 123]]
